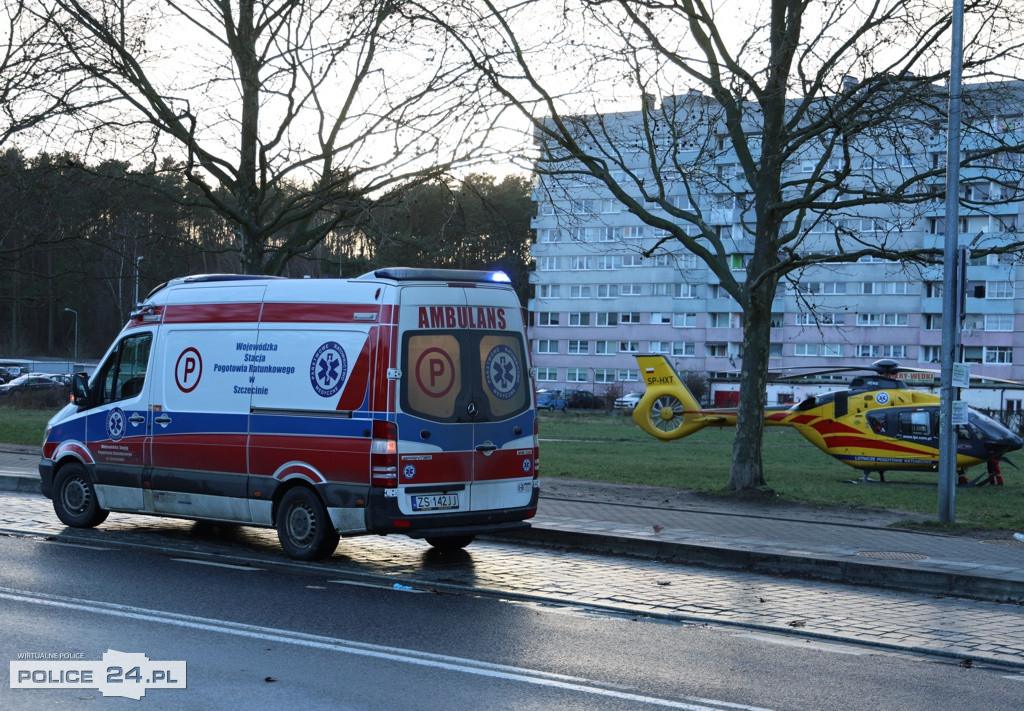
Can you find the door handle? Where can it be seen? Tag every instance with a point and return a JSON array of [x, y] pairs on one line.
[[163, 420], [486, 447], [136, 419]]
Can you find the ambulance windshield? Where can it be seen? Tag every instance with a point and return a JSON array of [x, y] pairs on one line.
[[464, 376]]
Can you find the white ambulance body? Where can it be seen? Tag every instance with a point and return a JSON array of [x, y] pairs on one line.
[[397, 402]]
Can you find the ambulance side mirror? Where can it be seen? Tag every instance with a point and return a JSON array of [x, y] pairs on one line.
[[80, 394]]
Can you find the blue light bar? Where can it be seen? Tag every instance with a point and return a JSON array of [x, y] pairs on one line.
[[501, 277]]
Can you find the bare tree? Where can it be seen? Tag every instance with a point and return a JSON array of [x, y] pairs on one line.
[[287, 114], [776, 113]]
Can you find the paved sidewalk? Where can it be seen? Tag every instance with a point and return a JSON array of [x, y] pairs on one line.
[[849, 546]]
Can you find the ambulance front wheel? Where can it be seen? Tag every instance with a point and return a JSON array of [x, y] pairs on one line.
[[303, 526], [450, 543], [74, 498]]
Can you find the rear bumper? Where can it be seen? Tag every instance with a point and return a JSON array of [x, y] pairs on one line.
[[384, 516]]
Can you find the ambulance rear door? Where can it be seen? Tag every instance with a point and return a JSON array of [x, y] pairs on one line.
[[465, 420]]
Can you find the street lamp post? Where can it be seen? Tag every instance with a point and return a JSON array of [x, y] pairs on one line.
[[138, 261], [76, 331]]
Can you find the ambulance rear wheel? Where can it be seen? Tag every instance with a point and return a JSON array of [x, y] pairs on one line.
[[303, 526], [450, 543], [74, 498]]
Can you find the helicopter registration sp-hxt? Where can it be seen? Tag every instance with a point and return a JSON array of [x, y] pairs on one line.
[[877, 425]]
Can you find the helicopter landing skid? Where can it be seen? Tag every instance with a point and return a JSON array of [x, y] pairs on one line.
[[866, 479], [980, 480]]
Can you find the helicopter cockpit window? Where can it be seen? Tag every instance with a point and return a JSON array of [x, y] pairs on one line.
[[915, 424], [878, 423]]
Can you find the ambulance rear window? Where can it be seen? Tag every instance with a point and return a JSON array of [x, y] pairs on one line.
[[464, 376], [435, 375]]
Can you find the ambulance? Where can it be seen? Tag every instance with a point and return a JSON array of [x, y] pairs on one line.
[[400, 401]]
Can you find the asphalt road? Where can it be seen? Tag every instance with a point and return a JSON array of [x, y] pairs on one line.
[[264, 632]]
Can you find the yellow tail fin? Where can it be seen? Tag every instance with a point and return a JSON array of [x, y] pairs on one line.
[[667, 410]]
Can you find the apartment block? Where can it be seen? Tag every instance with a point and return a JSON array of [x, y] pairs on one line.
[[600, 299]]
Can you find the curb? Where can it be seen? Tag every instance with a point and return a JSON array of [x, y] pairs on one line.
[[807, 566], [20, 484]]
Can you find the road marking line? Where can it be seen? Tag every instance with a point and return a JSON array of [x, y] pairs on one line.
[[215, 564], [75, 545], [404, 588], [396, 654]]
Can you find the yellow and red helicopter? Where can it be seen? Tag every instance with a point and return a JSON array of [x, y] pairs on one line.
[[878, 424]]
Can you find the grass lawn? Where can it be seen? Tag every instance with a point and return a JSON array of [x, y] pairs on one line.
[[24, 426], [611, 448]]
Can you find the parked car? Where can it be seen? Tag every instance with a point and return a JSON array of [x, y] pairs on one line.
[[628, 401], [583, 399], [551, 400], [33, 388]]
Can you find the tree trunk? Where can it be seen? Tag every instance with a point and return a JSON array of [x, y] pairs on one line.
[[747, 469]]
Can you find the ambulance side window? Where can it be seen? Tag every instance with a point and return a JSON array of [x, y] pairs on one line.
[[124, 373]]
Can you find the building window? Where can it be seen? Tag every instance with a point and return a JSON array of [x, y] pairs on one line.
[[869, 319], [830, 350], [868, 351], [684, 349], [717, 350], [629, 376], [930, 354], [584, 207], [999, 355], [604, 375], [607, 319], [899, 352], [629, 346], [685, 291], [631, 317], [547, 375], [547, 264], [684, 320], [579, 347], [999, 290], [579, 318], [631, 290], [607, 291], [605, 347], [547, 346], [576, 375], [894, 319], [547, 291], [973, 354], [547, 318], [661, 347], [579, 291], [581, 263], [933, 322], [718, 320], [805, 349], [607, 263], [634, 232], [998, 322], [632, 260], [660, 319]]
